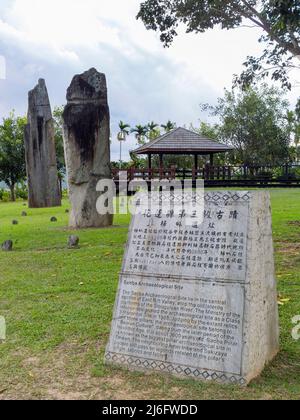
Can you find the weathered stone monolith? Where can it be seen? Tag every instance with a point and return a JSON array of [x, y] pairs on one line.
[[87, 147], [7, 246], [43, 185], [73, 242]]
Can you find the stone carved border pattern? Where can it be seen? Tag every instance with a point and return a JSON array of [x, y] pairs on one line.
[[243, 197], [228, 196], [171, 368]]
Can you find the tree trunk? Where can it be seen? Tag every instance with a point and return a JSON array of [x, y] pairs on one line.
[[60, 186], [12, 193]]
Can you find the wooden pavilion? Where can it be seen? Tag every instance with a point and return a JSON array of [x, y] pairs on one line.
[[181, 141]]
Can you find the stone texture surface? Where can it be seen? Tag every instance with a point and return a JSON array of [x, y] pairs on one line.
[[201, 302], [7, 246], [73, 241], [43, 183], [261, 321], [87, 147]]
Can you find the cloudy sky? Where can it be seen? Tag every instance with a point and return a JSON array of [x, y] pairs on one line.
[[56, 39]]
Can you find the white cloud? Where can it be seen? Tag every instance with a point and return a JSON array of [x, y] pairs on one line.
[[56, 39], [71, 24], [2, 67]]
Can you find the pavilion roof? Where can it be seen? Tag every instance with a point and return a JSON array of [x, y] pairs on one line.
[[182, 141]]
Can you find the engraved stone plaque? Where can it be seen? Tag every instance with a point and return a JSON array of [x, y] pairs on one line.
[[199, 300]]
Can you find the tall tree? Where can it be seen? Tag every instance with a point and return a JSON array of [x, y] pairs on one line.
[[59, 141], [212, 131], [207, 130], [124, 128], [255, 122], [12, 152], [279, 20], [293, 119], [169, 126], [140, 132], [153, 132]]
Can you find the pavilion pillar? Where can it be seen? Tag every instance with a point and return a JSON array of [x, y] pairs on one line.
[[195, 170], [212, 169], [150, 166], [161, 161], [161, 166], [196, 161]]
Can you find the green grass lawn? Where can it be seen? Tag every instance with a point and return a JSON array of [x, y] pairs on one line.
[[58, 307]]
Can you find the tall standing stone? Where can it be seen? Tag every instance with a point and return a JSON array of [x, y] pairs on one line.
[[87, 147], [43, 184]]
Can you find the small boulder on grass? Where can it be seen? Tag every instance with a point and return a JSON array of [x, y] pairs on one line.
[[73, 242], [7, 246], [15, 222], [53, 219]]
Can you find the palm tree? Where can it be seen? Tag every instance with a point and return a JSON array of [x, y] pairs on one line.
[[152, 126], [153, 130], [169, 126], [140, 133], [124, 130]]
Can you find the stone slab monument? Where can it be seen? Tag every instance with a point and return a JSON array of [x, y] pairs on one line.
[[87, 147], [199, 301], [41, 166]]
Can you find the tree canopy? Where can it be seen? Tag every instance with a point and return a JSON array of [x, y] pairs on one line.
[[169, 126], [59, 141], [12, 152], [256, 122], [278, 19], [140, 132], [124, 128]]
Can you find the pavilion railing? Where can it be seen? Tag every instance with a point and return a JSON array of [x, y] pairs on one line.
[[228, 175]]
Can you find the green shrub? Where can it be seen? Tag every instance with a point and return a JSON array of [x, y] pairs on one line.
[[4, 195], [22, 191], [297, 172], [65, 193], [265, 174], [293, 175]]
